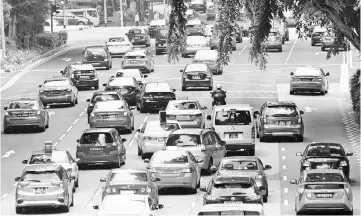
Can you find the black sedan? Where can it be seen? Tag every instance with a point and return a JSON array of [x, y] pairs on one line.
[[127, 86], [325, 156]]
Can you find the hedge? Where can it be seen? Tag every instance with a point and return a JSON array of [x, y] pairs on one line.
[[355, 91], [51, 39]]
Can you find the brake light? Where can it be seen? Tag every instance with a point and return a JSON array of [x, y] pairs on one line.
[[259, 176], [343, 163], [41, 91], [142, 190], [7, 114], [149, 190], [301, 191], [187, 170], [57, 184], [171, 117], [203, 148], [265, 120], [153, 170], [125, 114], [23, 184], [253, 133], [68, 90], [105, 59], [299, 120]]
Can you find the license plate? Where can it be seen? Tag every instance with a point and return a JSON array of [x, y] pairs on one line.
[[233, 136], [196, 77], [188, 122], [105, 116], [137, 38], [233, 202], [95, 63], [96, 149], [55, 92], [134, 62], [85, 77], [306, 80], [324, 195], [22, 115], [40, 190], [127, 192], [182, 117], [169, 171]]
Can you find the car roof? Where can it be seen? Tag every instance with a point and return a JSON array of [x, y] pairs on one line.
[[280, 103], [121, 170], [98, 130], [207, 54], [136, 53], [43, 167], [195, 131], [232, 179], [307, 71], [196, 67], [82, 66], [157, 87], [254, 158], [233, 106], [229, 207], [324, 143]]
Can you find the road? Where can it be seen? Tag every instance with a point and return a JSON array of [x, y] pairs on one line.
[[326, 119]]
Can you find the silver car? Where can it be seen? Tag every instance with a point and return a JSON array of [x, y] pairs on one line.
[[118, 46], [136, 73], [209, 57], [194, 44], [274, 41]]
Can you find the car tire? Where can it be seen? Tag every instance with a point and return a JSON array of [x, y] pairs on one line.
[[210, 87], [81, 166], [80, 23], [323, 48], [107, 68], [251, 151], [312, 43], [72, 103], [292, 92], [322, 92], [144, 156], [96, 87], [299, 213], [66, 208], [74, 189], [349, 212], [76, 183], [210, 164], [19, 210], [142, 109], [262, 138], [42, 128], [234, 48], [139, 152], [76, 100], [157, 52], [300, 138], [265, 198], [72, 200], [193, 190], [137, 106], [184, 88], [280, 50]]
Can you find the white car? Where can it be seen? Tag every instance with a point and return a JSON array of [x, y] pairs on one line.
[[118, 46], [136, 73], [194, 44], [127, 205]]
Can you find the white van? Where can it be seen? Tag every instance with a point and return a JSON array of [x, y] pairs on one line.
[[235, 124], [89, 13]]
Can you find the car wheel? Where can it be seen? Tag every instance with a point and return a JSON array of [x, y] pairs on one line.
[[80, 23], [349, 212], [210, 164], [19, 210], [210, 87], [42, 128], [184, 88], [262, 138], [74, 189], [193, 190], [312, 43], [234, 48], [76, 100], [72, 103], [292, 92], [157, 52], [96, 87], [323, 92], [299, 213], [66, 208], [137, 106], [143, 155], [280, 50], [265, 197], [300, 138]]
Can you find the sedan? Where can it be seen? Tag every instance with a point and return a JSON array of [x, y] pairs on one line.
[[102, 96], [112, 114], [189, 113], [118, 46], [309, 79], [214, 42], [245, 166], [195, 43], [197, 75], [139, 36], [175, 169], [139, 59], [128, 87], [210, 58], [58, 91], [136, 73]]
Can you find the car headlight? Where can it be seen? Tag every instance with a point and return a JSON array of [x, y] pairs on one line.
[[259, 176], [105, 59], [114, 190], [108, 190], [306, 164], [343, 163]]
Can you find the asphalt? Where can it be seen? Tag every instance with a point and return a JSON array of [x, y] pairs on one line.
[[244, 82]]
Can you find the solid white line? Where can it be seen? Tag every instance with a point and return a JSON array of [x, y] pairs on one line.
[[69, 128], [285, 190], [131, 143], [4, 195], [15, 184], [90, 204], [193, 204], [283, 157], [240, 83], [289, 55], [285, 202], [75, 121], [55, 144], [85, 109], [284, 167], [284, 178], [62, 137], [81, 114], [343, 58], [145, 119], [283, 149]]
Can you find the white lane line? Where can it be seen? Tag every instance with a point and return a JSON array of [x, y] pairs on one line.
[[343, 58], [15, 184], [284, 178], [193, 204], [285, 190], [69, 129], [344, 79], [284, 167], [289, 54], [82, 113], [131, 143], [285, 202], [62, 137], [283, 149], [89, 204], [283, 157], [75, 121], [55, 144], [3, 196], [145, 119]]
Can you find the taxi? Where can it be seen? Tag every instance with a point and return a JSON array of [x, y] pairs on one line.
[[231, 209], [44, 185], [210, 58], [197, 75], [100, 146], [175, 169], [194, 44], [235, 124], [139, 59], [58, 90], [112, 114], [118, 46], [25, 112], [128, 87], [136, 73], [139, 36], [154, 24], [54, 156], [311, 79], [82, 75], [129, 181], [151, 136], [102, 96], [189, 113]]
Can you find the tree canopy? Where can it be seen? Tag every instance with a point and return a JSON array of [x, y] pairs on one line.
[[342, 17]]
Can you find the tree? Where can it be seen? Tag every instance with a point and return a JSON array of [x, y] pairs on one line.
[[341, 16]]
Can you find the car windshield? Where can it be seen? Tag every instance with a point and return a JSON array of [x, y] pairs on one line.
[[40, 176], [22, 105], [121, 82], [183, 140], [124, 205], [119, 39], [135, 74], [233, 188], [281, 111], [129, 177], [228, 212], [324, 177], [54, 157], [239, 117], [325, 151], [169, 158], [189, 105], [104, 97], [95, 51], [96, 139], [239, 165], [56, 83]]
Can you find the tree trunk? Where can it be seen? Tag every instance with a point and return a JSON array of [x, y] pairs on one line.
[[12, 26]]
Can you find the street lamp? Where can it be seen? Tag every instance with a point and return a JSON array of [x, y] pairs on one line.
[[63, 3]]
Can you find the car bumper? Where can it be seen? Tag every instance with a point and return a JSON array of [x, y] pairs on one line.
[[123, 124], [142, 68], [96, 160], [321, 205], [190, 124], [139, 42], [41, 203], [28, 122], [197, 83], [86, 83], [152, 147], [307, 86], [193, 50], [239, 144], [159, 105], [56, 99], [274, 46], [282, 131], [97, 64], [185, 181]]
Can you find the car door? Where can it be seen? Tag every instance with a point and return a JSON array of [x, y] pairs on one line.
[[217, 148], [221, 149], [71, 20], [73, 87], [195, 166], [203, 113], [131, 114], [73, 164], [43, 113], [68, 183]]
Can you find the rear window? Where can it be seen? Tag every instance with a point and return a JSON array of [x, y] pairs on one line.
[[157, 87], [281, 111], [55, 157], [196, 67], [56, 83], [228, 212], [78, 72], [134, 57], [189, 105], [129, 177], [162, 33], [324, 186], [104, 97], [96, 51], [121, 39], [324, 177], [23, 105], [40, 176], [135, 31], [239, 165], [96, 139], [168, 158], [239, 117], [109, 106], [325, 151], [233, 188], [163, 95], [182, 140], [121, 82]]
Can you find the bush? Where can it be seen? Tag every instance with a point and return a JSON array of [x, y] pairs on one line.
[[355, 91], [47, 39], [63, 35], [15, 57]]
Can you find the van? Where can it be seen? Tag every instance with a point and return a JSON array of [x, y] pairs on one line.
[[235, 124]]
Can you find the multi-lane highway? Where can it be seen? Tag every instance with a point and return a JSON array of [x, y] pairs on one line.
[[327, 118]]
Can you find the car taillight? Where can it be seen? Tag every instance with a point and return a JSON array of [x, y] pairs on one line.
[[318, 79], [91, 104], [259, 176], [149, 190], [146, 138], [23, 184], [147, 98], [299, 120], [41, 91], [203, 148], [343, 163], [348, 192], [187, 170], [125, 114], [253, 133], [171, 117], [265, 120], [57, 184]]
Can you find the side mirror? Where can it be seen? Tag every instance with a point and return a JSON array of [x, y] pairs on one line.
[[5, 108], [160, 206], [209, 117], [302, 112], [146, 160], [203, 108], [293, 181], [76, 160], [40, 86], [292, 73], [328, 74], [223, 143], [62, 72], [267, 167], [17, 179], [77, 140], [349, 153], [24, 161], [95, 207], [156, 179], [123, 139], [87, 100], [112, 77], [203, 189], [174, 90], [145, 76], [352, 181], [103, 180], [199, 160], [298, 154], [181, 71], [213, 168], [105, 85]]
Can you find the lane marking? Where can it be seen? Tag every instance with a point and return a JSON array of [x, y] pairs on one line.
[[344, 79], [82, 113], [95, 192], [233, 97], [283, 149], [3, 196], [62, 137], [285, 202], [69, 129], [284, 178], [284, 167], [75, 121], [145, 119], [131, 143], [15, 184], [55, 144], [343, 58], [285, 190], [89, 204], [289, 55], [283, 157], [193, 204]]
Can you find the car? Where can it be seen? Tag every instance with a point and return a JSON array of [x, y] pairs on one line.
[[210, 58], [112, 114], [127, 205], [191, 14], [196, 23], [71, 19], [280, 119], [130, 181], [44, 185], [98, 56], [316, 37], [151, 136], [175, 169], [323, 155], [102, 96], [204, 144], [188, 113], [231, 209], [82, 75], [235, 124], [100, 146], [328, 41], [58, 90], [196, 31], [127, 86], [194, 44], [139, 36], [197, 75], [214, 41], [155, 96], [239, 33], [139, 59], [154, 24], [161, 40], [245, 166], [25, 112], [291, 22], [211, 12], [311, 79], [118, 46], [232, 190], [323, 191], [136, 73], [198, 6], [274, 41]]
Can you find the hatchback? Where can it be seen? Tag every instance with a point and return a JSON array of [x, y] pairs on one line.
[[309, 79], [210, 58], [82, 75], [102, 96], [128, 87], [98, 56], [197, 75], [139, 36], [139, 59]]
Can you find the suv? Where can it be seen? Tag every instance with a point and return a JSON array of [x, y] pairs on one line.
[[161, 40], [154, 95], [82, 75], [98, 56], [282, 118], [202, 143]]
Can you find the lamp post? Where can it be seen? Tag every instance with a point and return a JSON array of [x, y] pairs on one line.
[[63, 3], [2, 30], [105, 13], [121, 13]]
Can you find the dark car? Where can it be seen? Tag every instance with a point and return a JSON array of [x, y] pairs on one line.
[[316, 37], [195, 31], [127, 86], [154, 25], [161, 40], [211, 12], [102, 96], [197, 75], [239, 33], [139, 36], [155, 96], [82, 75], [98, 56], [232, 190], [198, 6], [325, 156]]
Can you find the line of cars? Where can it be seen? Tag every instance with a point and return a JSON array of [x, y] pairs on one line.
[[326, 39]]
